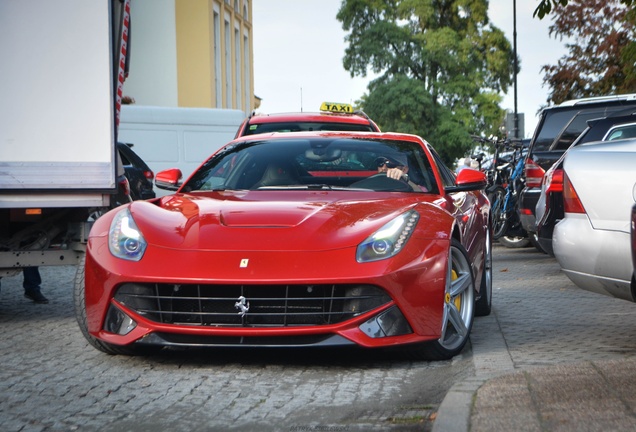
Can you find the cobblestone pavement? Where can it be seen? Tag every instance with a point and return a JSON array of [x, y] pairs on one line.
[[51, 380]]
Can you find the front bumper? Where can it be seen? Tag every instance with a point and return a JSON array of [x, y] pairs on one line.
[[414, 285]]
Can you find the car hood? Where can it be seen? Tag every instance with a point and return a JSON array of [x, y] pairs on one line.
[[247, 220]]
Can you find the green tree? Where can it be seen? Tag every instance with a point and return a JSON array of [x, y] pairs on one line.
[[442, 67], [601, 50]]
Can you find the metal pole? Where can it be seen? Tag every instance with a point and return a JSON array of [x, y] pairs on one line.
[[514, 38]]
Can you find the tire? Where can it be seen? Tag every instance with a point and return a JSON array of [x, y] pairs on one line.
[[79, 300], [498, 218], [459, 310], [483, 305], [534, 239], [514, 242]]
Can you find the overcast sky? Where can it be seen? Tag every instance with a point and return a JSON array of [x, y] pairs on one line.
[[299, 46]]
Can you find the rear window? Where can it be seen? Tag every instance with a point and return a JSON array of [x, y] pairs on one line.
[[306, 126], [562, 126]]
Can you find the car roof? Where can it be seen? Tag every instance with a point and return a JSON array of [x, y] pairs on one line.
[[356, 118], [599, 99], [330, 134], [616, 146]]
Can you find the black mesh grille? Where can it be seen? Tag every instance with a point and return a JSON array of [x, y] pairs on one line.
[[269, 305]]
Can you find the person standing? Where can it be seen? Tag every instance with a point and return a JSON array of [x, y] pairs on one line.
[[31, 284]]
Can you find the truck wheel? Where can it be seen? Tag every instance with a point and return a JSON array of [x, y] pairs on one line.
[[79, 296]]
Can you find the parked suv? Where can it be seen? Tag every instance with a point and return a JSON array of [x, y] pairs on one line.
[[557, 129], [549, 209]]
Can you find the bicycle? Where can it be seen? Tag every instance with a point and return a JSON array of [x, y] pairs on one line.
[[505, 181], [504, 202]]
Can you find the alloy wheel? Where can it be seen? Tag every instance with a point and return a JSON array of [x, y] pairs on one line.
[[459, 301]]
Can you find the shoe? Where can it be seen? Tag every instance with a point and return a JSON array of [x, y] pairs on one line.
[[37, 297]]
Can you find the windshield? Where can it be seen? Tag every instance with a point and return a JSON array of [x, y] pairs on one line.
[[316, 163]]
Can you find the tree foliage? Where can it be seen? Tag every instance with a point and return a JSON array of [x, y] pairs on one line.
[[442, 67], [545, 6], [601, 50]]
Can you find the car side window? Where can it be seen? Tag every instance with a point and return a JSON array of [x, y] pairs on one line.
[[621, 132], [124, 159], [448, 176], [574, 128]]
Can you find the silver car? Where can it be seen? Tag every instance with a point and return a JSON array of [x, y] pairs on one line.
[[592, 242]]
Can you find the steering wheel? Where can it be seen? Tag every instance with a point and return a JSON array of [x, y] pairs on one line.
[[381, 183]]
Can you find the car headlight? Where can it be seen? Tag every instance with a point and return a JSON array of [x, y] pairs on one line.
[[388, 240], [124, 238]]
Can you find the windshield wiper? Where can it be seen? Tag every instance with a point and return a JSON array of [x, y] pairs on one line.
[[319, 186], [313, 186]]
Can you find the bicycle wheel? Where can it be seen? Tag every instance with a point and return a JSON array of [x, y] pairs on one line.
[[514, 242], [498, 217]]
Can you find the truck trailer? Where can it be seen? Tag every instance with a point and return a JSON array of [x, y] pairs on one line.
[[61, 78]]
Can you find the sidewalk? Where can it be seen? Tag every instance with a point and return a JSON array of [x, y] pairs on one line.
[[585, 396], [550, 357], [589, 396]]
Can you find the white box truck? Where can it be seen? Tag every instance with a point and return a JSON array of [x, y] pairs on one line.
[[166, 137], [58, 115]]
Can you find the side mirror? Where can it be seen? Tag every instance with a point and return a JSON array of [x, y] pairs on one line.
[[468, 180], [169, 179]]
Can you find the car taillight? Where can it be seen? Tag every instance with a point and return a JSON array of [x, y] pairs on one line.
[[571, 201], [534, 174], [125, 186], [554, 181], [149, 175]]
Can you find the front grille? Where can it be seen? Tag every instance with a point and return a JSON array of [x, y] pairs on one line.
[[269, 305]]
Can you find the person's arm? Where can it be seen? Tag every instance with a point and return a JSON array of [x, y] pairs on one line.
[[396, 174]]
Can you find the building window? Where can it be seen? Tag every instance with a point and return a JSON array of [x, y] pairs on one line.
[[246, 72], [237, 66], [218, 74], [228, 63]]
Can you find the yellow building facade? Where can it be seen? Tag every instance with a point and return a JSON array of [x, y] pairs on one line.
[[214, 53], [192, 53]]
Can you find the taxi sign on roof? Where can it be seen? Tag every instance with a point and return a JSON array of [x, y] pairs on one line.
[[336, 107]]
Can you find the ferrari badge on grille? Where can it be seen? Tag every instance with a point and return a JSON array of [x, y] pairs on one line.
[[242, 305]]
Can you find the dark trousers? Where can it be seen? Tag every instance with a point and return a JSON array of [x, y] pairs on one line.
[[32, 279]]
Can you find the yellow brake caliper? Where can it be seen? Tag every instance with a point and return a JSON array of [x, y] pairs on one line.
[[458, 299]]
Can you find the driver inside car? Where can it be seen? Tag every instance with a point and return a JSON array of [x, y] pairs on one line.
[[393, 168], [397, 170]]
